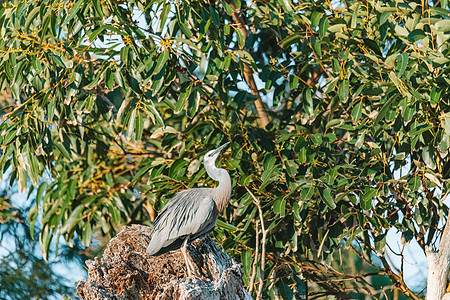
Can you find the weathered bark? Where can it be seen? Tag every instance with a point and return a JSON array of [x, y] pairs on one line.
[[126, 271], [438, 267]]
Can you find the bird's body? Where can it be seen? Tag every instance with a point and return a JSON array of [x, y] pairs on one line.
[[186, 209], [191, 213]]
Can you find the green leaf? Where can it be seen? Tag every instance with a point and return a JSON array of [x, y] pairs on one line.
[[247, 261], [185, 30], [193, 103], [34, 168], [446, 124], [416, 35], [63, 151], [384, 17], [402, 62], [285, 290], [290, 39], [139, 126], [333, 123], [214, 15], [316, 139], [291, 168], [307, 192], [414, 184], [184, 95], [296, 212], [343, 90], [444, 145], [39, 193], [94, 82], [226, 29], [384, 110], [366, 201], [433, 178], [337, 28], [317, 47], [131, 124], [163, 17], [32, 217], [75, 217], [45, 237], [247, 58], [154, 114], [240, 37], [442, 26], [354, 17], [161, 61], [435, 96], [74, 11], [31, 16], [227, 8], [401, 31], [357, 112], [327, 198], [228, 227], [109, 79], [96, 32], [380, 243], [336, 66], [428, 157], [86, 235], [279, 207], [409, 113], [419, 128], [323, 26], [141, 173], [360, 139]]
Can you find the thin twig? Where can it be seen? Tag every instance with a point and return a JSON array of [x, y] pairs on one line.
[[197, 117], [397, 279], [125, 152], [408, 211], [263, 242], [255, 262]]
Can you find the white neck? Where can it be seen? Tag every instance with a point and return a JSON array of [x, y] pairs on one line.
[[222, 193]]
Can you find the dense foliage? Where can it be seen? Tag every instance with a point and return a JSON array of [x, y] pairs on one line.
[[115, 102]]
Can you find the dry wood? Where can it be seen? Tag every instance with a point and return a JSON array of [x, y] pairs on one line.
[[438, 267], [126, 271]]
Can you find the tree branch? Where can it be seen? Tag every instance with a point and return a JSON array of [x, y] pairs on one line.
[[263, 242], [255, 262], [248, 73], [438, 266], [397, 279], [125, 151]]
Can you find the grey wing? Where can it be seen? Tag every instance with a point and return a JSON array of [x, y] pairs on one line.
[[190, 213]]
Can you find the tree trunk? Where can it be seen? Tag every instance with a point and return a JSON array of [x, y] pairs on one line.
[[438, 267], [126, 271]]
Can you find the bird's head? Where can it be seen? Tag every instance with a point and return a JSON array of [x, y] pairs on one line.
[[211, 156]]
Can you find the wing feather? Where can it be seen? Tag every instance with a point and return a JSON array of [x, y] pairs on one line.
[[191, 212]]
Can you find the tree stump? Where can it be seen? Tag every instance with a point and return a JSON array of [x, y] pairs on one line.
[[126, 271]]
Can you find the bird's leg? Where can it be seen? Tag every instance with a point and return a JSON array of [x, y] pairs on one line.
[[192, 266], [183, 250], [189, 264]]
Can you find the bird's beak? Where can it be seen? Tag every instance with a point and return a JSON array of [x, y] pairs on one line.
[[217, 151]]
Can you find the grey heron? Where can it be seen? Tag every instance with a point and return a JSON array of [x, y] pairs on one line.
[[191, 213]]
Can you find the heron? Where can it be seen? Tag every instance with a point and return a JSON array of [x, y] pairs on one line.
[[191, 213]]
